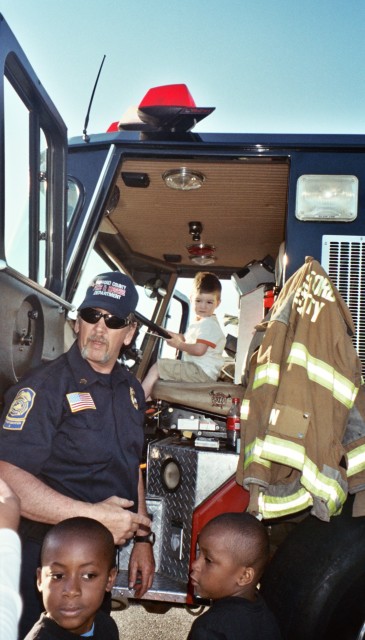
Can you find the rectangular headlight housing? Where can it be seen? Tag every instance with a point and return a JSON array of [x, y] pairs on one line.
[[326, 198]]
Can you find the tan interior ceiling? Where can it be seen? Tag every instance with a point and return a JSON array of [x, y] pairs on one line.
[[241, 205]]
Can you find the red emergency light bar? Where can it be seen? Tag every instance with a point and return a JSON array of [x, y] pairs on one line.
[[165, 108]]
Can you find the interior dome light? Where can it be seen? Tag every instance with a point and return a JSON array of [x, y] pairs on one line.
[[327, 198], [201, 253], [183, 179]]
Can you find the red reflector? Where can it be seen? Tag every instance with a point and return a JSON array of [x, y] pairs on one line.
[[170, 95], [269, 299], [201, 250]]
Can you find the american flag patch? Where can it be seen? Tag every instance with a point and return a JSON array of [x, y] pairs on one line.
[[80, 401]]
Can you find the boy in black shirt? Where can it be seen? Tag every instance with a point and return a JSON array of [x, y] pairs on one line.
[[78, 567], [233, 552]]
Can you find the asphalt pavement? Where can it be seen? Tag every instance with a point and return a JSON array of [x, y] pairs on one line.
[[135, 623]]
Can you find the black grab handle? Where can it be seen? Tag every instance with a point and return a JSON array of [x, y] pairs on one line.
[[152, 325]]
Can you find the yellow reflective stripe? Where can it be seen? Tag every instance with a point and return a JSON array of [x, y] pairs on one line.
[[253, 452], [323, 487], [284, 452], [356, 461], [343, 389], [244, 409], [275, 506], [293, 455], [267, 373]]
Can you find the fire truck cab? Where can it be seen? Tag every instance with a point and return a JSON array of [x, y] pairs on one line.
[[159, 201]]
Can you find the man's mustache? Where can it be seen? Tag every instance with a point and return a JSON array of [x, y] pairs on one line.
[[95, 338]]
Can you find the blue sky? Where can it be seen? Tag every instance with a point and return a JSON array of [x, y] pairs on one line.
[[266, 65]]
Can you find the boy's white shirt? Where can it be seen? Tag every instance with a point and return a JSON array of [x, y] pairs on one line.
[[208, 330]]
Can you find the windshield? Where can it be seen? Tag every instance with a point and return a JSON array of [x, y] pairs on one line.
[[227, 312]]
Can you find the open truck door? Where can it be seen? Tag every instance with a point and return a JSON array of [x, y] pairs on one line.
[[33, 152]]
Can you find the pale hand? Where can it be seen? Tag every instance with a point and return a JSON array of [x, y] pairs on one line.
[[115, 515], [175, 340]]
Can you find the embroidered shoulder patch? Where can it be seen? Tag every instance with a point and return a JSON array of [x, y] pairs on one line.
[[79, 401], [19, 409]]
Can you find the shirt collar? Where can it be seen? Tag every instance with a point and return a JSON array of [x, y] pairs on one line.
[[89, 633], [83, 372]]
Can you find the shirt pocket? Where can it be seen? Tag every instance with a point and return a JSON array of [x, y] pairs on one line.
[[85, 439], [86, 419]]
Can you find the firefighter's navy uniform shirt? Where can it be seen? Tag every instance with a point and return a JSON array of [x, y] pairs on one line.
[[78, 431]]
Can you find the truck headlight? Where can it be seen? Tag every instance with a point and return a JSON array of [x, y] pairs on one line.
[[326, 198]]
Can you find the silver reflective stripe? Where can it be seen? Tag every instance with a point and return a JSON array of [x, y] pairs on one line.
[[323, 487], [342, 389], [245, 406], [266, 374], [283, 452], [253, 454], [293, 455], [275, 507], [356, 461]]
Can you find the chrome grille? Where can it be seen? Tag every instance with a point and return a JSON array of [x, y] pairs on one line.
[[343, 257]]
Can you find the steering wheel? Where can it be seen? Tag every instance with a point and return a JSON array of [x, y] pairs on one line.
[[152, 325]]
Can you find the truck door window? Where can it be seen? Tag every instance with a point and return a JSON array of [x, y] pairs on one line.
[[16, 246], [173, 323], [33, 177], [25, 237], [227, 312], [73, 200]]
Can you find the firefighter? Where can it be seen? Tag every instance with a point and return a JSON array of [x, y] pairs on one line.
[[71, 438]]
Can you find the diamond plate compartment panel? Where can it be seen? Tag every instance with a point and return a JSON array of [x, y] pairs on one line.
[[155, 512], [202, 472]]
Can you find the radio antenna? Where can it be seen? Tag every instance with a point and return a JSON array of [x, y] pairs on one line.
[[85, 135]]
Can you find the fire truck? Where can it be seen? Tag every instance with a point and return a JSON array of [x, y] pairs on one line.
[[155, 199]]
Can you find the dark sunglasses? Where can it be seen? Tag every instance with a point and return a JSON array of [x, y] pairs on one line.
[[92, 316]]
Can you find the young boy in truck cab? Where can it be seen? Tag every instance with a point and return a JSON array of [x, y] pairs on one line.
[[201, 346], [233, 552]]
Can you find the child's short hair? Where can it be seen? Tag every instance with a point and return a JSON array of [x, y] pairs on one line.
[[246, 539], [84, 529], [206, 282]]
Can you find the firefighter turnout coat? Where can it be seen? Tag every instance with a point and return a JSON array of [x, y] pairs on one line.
[[302, 435]]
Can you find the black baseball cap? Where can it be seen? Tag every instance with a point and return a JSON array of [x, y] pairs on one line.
[[112, 291]]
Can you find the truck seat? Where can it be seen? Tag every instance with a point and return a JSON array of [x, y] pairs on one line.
[[215, 397], [208, 397]]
